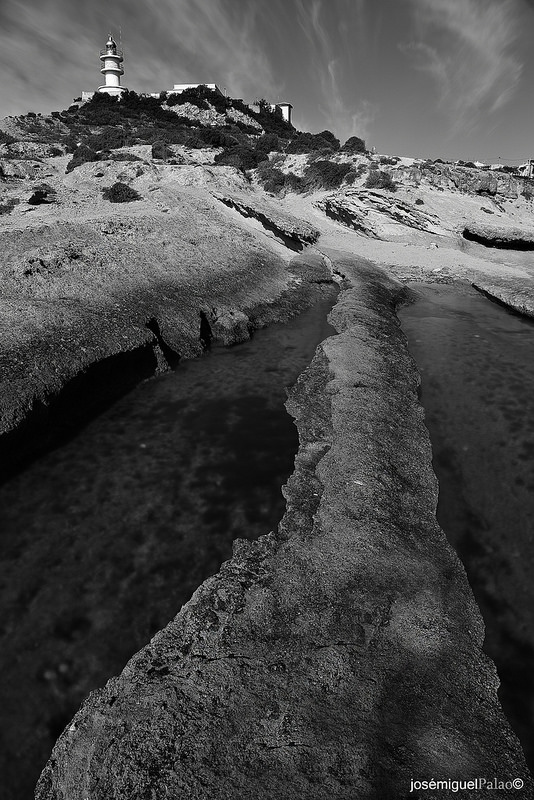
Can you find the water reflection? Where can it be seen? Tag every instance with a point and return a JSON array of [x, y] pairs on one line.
[[476, 362], [105, 538]]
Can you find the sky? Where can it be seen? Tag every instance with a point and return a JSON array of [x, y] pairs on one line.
[[429, 78]]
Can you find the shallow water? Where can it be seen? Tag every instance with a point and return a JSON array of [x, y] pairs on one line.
[[103, 539], [476, 361]]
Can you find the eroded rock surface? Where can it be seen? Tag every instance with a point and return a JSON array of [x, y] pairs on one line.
[[373, 213], [338, 657]]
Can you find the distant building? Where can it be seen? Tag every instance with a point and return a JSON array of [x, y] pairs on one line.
[[112, 59], [527, 170], [286, 109]]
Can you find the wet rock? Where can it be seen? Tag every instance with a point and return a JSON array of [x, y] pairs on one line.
[[316, 662]]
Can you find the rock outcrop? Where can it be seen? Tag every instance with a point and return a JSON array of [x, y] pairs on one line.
[[504, 238], [127, 289], [337, 657], [371, 213], [463, 179], [520, 300]]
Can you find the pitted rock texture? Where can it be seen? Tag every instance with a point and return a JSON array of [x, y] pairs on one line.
[[339, 657]]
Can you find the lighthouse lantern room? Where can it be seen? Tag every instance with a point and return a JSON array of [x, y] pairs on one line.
[[112, 69]]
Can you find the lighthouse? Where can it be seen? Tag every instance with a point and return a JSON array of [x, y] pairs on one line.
[[112, 59]]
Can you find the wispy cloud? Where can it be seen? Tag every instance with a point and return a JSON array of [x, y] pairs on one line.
[[468, 48], [47, 51], [332, 40]]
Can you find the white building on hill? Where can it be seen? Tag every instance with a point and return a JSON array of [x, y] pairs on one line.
[[112, 69]]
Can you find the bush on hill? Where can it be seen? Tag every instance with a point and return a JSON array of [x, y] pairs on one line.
[[324, 175], [120, 193], [275, 181], [330, 138], [121, 156], [8, 206], [354, 145], [350, 177], [212, 137], [5, 138], [242, 157], [377, 179], [388, 160], [82, 155], [308, 143], [109, 139], [200, 96], [267, 143], [43, 193], [161, 150]]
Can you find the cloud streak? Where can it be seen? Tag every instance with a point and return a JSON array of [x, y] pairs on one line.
[[332, 40], [468, 49]]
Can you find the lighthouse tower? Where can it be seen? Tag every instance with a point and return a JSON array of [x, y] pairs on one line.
[[112, 59]]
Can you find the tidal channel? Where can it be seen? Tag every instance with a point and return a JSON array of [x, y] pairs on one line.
[[476, 361], [103, 539]]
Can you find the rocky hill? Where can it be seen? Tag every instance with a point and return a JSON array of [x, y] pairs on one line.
[[338, 655]]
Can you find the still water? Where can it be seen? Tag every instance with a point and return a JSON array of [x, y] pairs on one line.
[[103, 539], [476, 362]]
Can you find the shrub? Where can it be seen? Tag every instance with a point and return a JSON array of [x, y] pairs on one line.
[[388, 160], [294, 183], [5, 138], [271, 177], [308, 143], [212, 137], [8, 206], [377, 179], [354, 145], [325, 175], [241, 157], [330, 138], [38, 198], [109, 139], [82, 155], [350, 177], [267, 143], [122, 157], [161, 150], [120, 193], [200, 96], [527, 193], [419, 202], [55, 151], [43, 193]]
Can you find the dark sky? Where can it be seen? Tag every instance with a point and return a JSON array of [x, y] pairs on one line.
[[450, 78]]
